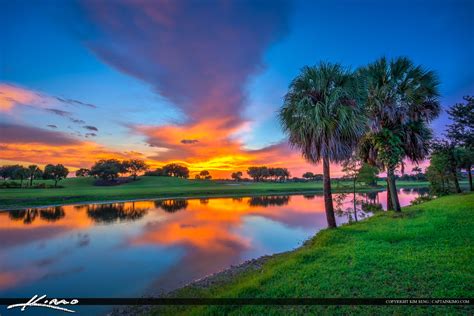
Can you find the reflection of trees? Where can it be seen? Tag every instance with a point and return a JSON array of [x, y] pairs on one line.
[[204, 201], [108, 213], [277, 200], [27, 216], [172, 206], [421, 191], [52, 214], [309, 196], [237, 199], [406, 190]]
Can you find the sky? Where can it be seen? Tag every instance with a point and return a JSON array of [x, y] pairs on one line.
[[198, 82]]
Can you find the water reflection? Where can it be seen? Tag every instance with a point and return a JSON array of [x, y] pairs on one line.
[[109, 213], [172, 206], [277, 200], [167, 242]]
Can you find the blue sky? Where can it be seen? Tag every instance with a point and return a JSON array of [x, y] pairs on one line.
[[196, 67]]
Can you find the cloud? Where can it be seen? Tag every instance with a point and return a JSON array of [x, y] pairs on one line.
[[12, 133], [90, 135], [51, 126], [12, 96], [59, 112], [91, 128], [76, 102], [189, 141], [77, 121], [198, 54]]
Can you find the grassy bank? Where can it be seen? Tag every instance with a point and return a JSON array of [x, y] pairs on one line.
[[77, 190], [427, 251]]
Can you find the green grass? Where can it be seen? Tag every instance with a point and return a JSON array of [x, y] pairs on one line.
[[77, 190], [425, 252]]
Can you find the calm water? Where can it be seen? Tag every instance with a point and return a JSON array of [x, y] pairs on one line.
[[129, 249]]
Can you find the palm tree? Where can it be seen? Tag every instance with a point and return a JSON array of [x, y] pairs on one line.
[[321, 115], [402, 99]]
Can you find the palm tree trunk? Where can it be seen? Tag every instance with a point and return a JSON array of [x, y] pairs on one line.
[[456, 182], [393, 190], [469, 175], [389, 200], [355, 201], [328, 194]]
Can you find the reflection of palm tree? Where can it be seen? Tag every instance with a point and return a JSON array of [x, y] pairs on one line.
[[172, 206], [278, 200], [52, 214], [28, 215], [108, 213]]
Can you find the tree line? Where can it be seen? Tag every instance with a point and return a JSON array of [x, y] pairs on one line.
[[34, 172]]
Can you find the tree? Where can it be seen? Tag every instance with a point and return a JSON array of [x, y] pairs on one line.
[[82, 172], [7, 172], [135, 166], [34, 172], [258, 173], [19, 172], [443, 168], [55, 172], [322, 116], [175, 170], [465, 158], [107, 169], [308, 175], [401, 101], [158, 172], [461, 133], [204, 174], [367, 174], [237, 176]]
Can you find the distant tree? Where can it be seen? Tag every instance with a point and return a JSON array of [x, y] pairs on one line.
[[367, 174], [204, 174], [134, 167], [465, 159], [83, 172], [7, 172], [107, 169], [34, 172], [19, 173], [308, 175], [158, 172], [176, 170], [258, 173], [461, 131], [55, 172], [443, 168], [237, 176]]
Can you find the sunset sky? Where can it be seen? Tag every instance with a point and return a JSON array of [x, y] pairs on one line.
[[198, 82]]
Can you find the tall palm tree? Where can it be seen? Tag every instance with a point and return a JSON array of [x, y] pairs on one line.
[[402, 99], [322, 116]]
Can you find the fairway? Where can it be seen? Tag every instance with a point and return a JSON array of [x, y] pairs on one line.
[[430, 244], [82, 189]]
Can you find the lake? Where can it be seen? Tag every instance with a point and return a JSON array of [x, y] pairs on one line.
[[133, 248]]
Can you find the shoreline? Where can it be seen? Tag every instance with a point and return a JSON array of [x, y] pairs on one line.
[[199, 196]]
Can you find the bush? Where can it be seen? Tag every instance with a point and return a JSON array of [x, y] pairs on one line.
[[421, 199]]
